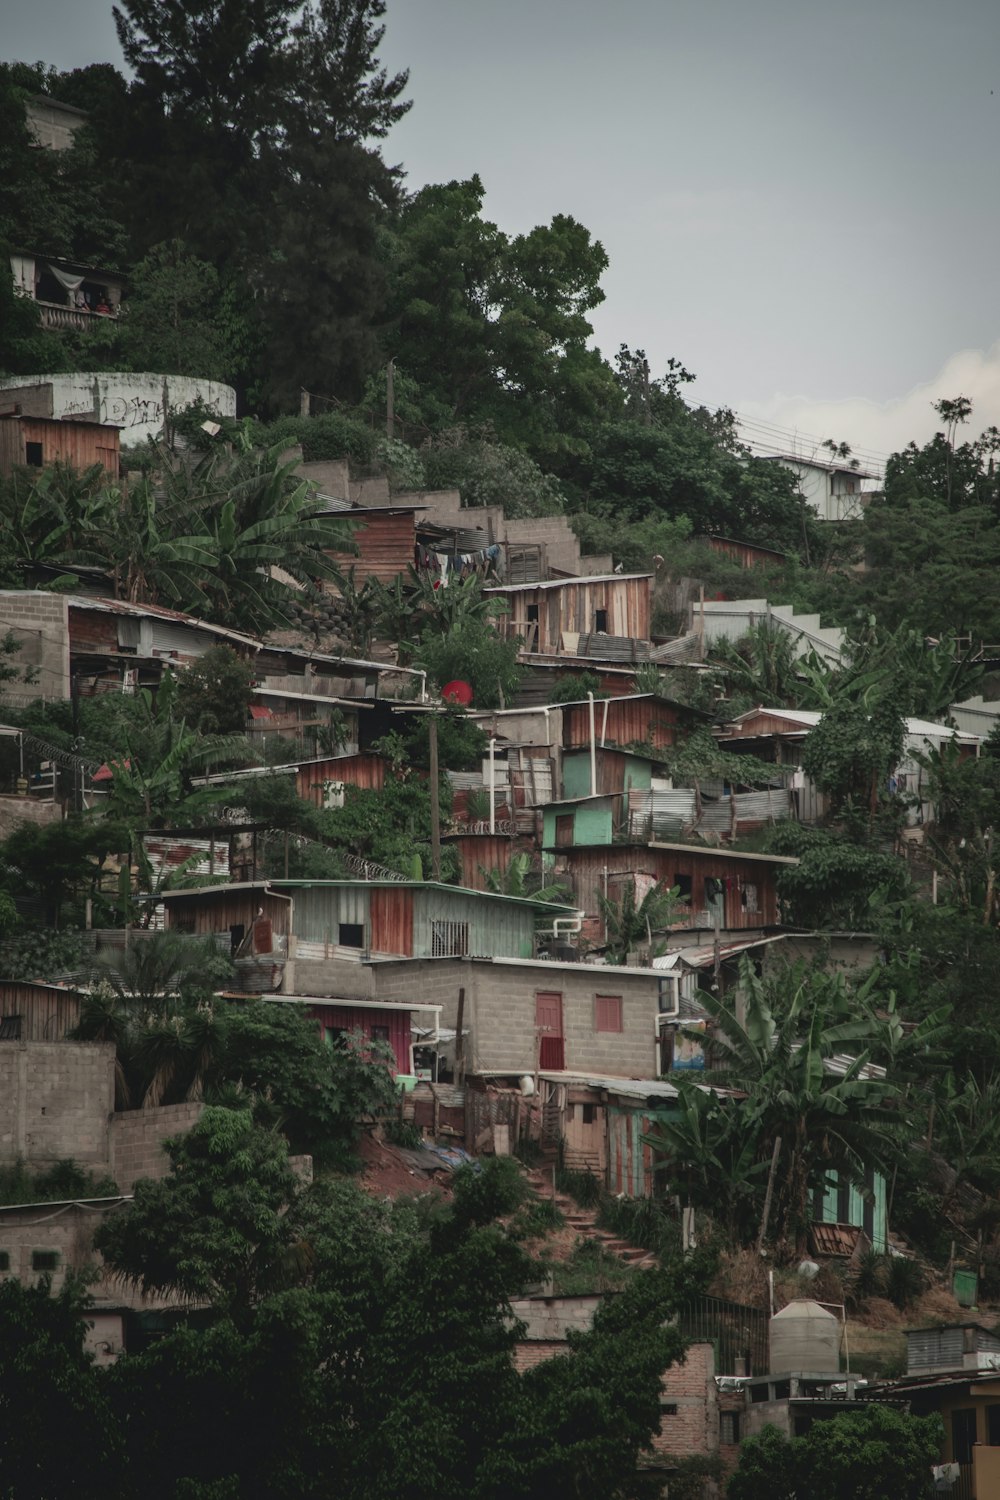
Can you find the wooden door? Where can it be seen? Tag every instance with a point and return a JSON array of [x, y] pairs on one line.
[[549, 1026]]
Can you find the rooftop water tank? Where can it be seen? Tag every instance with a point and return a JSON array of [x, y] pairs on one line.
[[805, 1337]]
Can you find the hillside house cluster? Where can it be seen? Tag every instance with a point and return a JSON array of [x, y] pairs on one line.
[[507, 1011]]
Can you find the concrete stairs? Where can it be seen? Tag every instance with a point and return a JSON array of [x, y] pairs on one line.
[[584, 1221], [730, 619]]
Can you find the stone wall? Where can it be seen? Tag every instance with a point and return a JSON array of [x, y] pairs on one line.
[[136, 1141], [56, 1101], [40, 621]]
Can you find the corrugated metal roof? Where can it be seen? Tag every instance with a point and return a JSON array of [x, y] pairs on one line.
[[153, 611], [600, 647], [276, 887], [807, 718], [561, 583], [726, 853], [632, 1088]]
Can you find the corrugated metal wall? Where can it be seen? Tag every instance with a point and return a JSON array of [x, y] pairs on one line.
[[386, 547], [497, 929], [362, 770], [478, 852], [392, 921], [628, 721], [348, 1018]]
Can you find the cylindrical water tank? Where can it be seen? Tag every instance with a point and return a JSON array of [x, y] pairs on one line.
[[805, 1337]]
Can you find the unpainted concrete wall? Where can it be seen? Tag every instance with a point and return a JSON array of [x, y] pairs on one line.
[[56, 1101], [40, 621]]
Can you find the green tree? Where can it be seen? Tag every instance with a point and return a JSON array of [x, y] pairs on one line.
[[494, 329], [487, 472], [60, 1432], [828, 1116], [217, 1227], [630, 922], [875, 1454], [254, 139], [171, 319], [387, 1322], [215, 692]]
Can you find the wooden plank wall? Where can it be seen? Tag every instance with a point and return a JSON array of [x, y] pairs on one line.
[[587, 868], [47, 1014]]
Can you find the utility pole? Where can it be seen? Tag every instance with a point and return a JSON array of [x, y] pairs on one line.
[[390, 399], [435, 800]]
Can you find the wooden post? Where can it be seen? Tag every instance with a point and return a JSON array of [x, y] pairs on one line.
[[460, 1039], [767, 1196], [435, 801]]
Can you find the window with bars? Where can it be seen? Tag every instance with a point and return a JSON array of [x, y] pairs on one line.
[[608, 1013], [449, 939], [729, 1427]]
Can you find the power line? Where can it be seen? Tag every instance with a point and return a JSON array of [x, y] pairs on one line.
[[767, 438]]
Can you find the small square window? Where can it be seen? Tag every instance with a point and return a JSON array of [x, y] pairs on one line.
[[600, 622], [668, 1408], [44, 1260], [380, 1033], [33, 455], [351, 935], [589, 1113], [4, 1260], [609, 1013]]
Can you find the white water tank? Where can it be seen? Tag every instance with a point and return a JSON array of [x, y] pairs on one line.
[[805, 1337]]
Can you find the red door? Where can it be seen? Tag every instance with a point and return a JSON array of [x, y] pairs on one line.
[[549, 1025]]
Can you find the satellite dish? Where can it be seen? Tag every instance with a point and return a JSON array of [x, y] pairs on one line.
[[457, 692]]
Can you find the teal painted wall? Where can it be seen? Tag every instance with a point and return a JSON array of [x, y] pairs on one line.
[[576, 774], [592, 824], [856, 1210], [591, 821]]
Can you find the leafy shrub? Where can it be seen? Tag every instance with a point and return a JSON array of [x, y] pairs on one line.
[[403, 1133], [571, 689], [642, 1221], [905, 1281], [583, 1187], [591, 1268]]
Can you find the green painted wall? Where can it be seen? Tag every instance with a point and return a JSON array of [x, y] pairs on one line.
[[591, 821], [576, 773]]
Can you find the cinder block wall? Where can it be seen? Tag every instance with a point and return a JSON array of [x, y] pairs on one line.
[[56, 1101], [136, 1141], [40, 621]]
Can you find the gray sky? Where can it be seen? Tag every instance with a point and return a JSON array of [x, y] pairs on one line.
[[799, 200]]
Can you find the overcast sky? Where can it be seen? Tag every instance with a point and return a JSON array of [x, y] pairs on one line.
[[800, 200]]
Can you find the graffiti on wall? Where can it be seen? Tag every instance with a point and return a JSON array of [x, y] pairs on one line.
[[132, 411]]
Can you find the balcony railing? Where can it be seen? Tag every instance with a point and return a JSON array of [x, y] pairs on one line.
[[56, 316]]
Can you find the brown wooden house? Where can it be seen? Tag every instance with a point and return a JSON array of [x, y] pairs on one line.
[[35, 442], [739, 890], [551, 616]]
